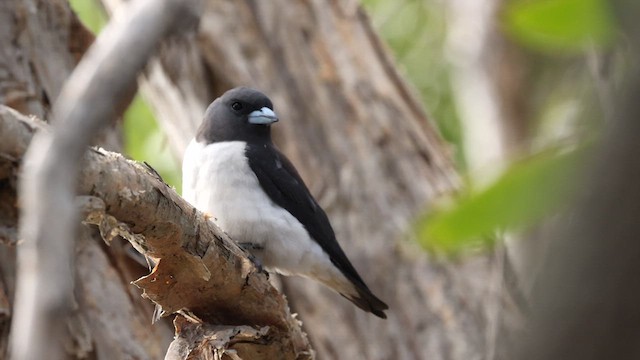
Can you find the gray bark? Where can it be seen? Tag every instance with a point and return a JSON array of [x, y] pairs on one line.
[[361, 140], [199, 269], [40, 44], [96, 92]]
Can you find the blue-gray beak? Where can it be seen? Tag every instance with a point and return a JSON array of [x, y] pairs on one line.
[[263, 116]]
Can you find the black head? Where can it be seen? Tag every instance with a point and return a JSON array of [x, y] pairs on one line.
[[240, 114]]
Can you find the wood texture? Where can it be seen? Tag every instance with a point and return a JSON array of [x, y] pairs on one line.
[[40, 43], [96, 92], [199, 269], [353, 128], [361, 140]]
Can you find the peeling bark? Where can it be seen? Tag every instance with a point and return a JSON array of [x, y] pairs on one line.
[[40, 43], [199, 269], [356, 133], [362, 142]]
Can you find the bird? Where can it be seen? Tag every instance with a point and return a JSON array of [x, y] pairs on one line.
[[233, 171]]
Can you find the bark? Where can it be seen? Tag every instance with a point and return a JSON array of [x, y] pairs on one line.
[[356, 133], [96, 92], [359, 137], [40, 43], [106, 323], [199, 269]]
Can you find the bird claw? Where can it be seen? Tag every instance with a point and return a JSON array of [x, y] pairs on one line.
[[250, 247], [257, 263]]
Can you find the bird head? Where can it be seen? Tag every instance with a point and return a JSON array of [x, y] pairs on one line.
[[240, 114]]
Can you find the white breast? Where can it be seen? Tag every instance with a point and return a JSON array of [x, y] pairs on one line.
[[217, 180]]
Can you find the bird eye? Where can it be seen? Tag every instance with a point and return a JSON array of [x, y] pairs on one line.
[[236, 106]]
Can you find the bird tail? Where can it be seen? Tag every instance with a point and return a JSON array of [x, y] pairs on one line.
[[357, 292], [367, 301]]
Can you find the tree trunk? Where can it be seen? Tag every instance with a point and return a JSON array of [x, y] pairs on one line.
[[350, 124], [363, 144], [40, 43]]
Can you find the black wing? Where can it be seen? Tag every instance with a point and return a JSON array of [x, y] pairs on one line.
[[280, 180]]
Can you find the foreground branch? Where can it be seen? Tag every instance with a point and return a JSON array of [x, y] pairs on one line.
[[95, 93], [361, 140], [200, 269]]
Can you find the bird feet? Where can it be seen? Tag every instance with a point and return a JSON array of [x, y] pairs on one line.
[[258, 264], [251, 248]]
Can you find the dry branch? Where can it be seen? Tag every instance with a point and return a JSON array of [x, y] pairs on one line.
[[200, 269], [360, 139], [95, 93]]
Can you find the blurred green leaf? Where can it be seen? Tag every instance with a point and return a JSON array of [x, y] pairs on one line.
[[144, 141], [416, 31], [560, 25], [527, 192], [90, 13]]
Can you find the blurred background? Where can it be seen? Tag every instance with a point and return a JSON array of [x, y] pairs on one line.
[[519, 90], [454, 233]]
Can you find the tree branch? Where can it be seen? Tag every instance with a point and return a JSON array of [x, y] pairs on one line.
[[200, 269], [354, 130], [94, 94]]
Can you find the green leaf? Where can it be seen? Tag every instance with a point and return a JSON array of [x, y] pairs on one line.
[[560, 25], [90, 13], [144, 141], [527, 192]]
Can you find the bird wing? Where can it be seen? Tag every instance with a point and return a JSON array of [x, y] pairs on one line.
[[282, 183]]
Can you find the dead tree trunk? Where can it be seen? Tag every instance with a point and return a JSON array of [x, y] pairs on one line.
[[354, 129], [40, 43], [351, 125]]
